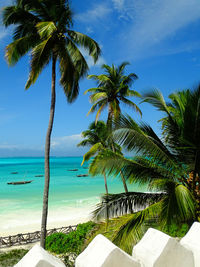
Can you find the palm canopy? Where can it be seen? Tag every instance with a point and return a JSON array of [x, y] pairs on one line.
[[169, 165], [112, 88], [44, 28], [98, 138], [181, 125]]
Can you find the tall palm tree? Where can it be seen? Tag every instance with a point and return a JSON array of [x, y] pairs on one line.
[[169, 165], [113, 88], [45, 28]]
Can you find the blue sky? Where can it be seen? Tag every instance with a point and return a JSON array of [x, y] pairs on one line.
[[160, 39]]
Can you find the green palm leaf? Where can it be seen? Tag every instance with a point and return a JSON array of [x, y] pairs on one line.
[[119, 204], [18, 48], [40, 58], [85, 41]]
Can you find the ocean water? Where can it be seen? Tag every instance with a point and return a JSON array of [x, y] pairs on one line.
[[70, 197]]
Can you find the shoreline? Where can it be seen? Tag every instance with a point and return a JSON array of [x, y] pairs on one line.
[[25, 221]]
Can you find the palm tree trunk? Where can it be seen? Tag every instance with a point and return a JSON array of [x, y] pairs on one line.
[[124, 182], [109, 123], [105, 181], [47, 153], [106, 187]]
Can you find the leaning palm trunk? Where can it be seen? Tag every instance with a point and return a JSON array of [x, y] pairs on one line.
[[106, 187], [109, 123], [105, 181], [47, 152], [124, 182]]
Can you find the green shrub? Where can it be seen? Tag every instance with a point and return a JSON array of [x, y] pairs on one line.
[[175, 230], [62, 243], [12, 257]]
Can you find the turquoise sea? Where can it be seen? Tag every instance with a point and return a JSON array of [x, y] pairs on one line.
[[70, 197]]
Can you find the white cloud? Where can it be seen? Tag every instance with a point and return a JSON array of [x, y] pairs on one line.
[[9, 147], [60, 146], [151, 22], [99, 11], [21, 147], [65, 141], [67, 145]]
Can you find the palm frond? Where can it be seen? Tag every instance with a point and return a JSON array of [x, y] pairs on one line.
[[46, 29], [77, 58], [93, 150], [97, 105], [119, 204], [156, 98], [99, 112], [72, 67], [131, 135], [133, 228], [178, 205], [41, 54], [88, 43], [94, 90], [138, 170], [97, 96], [131, 104], [18, 48], [85, 142], [17, 15]]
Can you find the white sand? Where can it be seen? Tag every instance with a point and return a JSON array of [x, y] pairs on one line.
[[29, 221]]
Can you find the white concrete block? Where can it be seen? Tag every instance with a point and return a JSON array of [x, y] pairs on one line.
[[38, 257], [191, 241], [157, 249], [103, 253]]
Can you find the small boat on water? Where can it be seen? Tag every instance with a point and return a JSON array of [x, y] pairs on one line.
[[82, 175], [20, 182], [14, 173], [39, 175], [73, 170]]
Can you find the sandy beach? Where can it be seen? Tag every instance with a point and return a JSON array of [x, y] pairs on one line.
[[12, 224]]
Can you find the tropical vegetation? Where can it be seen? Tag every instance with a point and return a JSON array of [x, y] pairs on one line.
[[168, 165], [72, 242], [45, 28], [113, 88]]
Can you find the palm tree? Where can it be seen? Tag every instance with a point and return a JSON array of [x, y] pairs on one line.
[[169, 165], [97, 137], [113, 88], [44, 28]]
